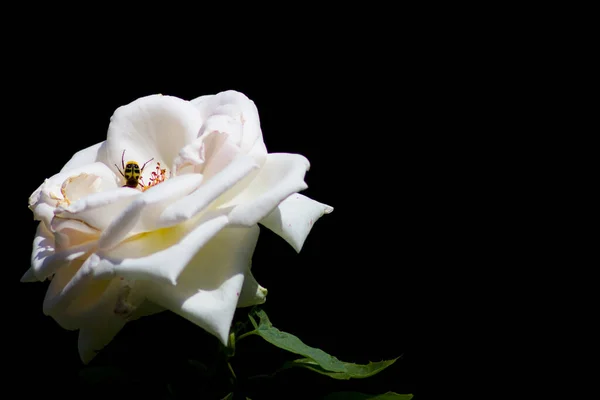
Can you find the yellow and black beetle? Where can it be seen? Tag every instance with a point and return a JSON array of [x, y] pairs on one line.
[[133, 172]]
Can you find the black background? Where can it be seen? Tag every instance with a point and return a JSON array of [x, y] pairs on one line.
[[365, 122]]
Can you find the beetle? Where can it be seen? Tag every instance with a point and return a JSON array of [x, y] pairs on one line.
[[132, 172]]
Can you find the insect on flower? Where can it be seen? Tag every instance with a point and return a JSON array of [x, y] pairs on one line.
[[132, 172]]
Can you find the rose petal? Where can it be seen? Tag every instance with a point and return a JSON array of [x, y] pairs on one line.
[[211, 190], [145, 309], [220, 151], [49, 194], [236, 105], [73, 281], [101, 324], [95, 337], [79, 186], [83, 157], [70, 232], [210, 155], [161, 255], [143, 213], [42, 211], [77, 300], [208, 289], [223, 124], [282, 175], [294, 218], [239, 108], [258, 152], [191, 158], [108, 315], [98, 209], [155, 127], [45, 260], [29, 276], [252, 293]]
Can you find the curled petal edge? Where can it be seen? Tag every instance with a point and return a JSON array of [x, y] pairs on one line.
[[294, 218]]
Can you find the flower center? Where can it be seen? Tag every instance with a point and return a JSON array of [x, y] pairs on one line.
[[157, 176]]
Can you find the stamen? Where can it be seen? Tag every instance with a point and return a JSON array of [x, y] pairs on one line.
[[157, 176]]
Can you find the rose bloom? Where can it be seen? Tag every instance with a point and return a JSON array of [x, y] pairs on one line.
[[180, 236]]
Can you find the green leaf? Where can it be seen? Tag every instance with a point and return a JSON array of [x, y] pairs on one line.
[[353, 371], [293, 344], [362, 396]]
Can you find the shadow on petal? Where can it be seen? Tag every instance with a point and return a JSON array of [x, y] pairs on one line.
[[208, 289]]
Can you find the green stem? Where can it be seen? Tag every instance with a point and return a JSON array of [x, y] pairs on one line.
[[246, 334], [231, 345], [231, 370]]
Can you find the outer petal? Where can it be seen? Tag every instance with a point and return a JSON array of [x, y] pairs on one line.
[[70, 232], [29, 276], [98, 209], [163, 254], [282, 175], [45, 260], [252, 292], [208, 289], [83, 157], [73, 285], [49, 194], [98, 308], [294, 218], [112, 309], [210, 191], [146, 308], [101, 324], [154, 126]]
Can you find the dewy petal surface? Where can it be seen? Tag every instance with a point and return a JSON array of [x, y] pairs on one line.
[[208, 289], [294, 218], [155, 127]]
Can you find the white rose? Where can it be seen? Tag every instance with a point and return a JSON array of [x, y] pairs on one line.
[[184, 242]]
